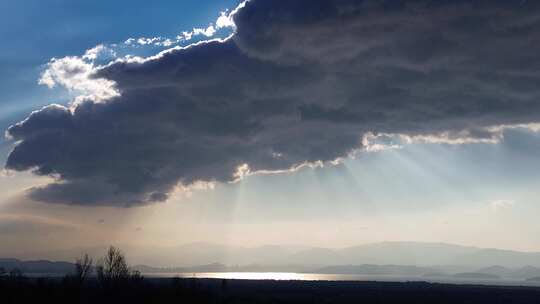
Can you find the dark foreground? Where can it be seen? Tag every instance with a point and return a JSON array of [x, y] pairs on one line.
[[251, 291]]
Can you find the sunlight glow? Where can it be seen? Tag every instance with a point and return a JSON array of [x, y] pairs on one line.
[[250, 275]]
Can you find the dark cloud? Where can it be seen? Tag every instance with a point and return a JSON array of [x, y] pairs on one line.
[[300, 81]]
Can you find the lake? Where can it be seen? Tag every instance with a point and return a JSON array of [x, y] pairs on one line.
[[339, 277]]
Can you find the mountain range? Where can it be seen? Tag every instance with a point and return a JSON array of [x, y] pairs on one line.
[[435, 257], [394, 253], [40, 266]]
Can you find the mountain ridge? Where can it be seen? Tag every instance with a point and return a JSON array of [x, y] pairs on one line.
[[383, 253]]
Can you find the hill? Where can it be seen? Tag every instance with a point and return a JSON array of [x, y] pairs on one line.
[[40, 266]]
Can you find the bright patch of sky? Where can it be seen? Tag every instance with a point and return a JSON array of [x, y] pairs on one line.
[[37, 31]]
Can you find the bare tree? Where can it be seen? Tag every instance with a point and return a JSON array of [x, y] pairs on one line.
[[16, 274], [113, 266], [83, 267]]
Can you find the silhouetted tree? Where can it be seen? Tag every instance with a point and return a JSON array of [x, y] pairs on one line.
[[83, 268], [113, 269], [113, 266], [135, 276], [16, 274]]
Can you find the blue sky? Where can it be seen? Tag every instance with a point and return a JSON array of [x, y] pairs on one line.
[[35, 31], [272, 130]]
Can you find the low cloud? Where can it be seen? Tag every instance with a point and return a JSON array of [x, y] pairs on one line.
[[500, 205], [299, 82]]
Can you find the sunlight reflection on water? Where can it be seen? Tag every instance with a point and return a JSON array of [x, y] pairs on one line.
[[252, 275], [282, 276]]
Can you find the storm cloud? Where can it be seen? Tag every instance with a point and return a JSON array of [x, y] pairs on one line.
[[299, 81]]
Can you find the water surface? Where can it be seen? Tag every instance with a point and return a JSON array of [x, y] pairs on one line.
[[340, 277]]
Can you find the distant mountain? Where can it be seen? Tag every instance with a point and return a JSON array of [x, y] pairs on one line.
[[368, 269], [516, 273], [534, 279], [217, 267], [447, 257], [526, 272], [497, 270], [475, 275], [208, 253], [506, 258], [416, 253], [490, 272], [40, 266], [405, 253], [316, 256], [435, 275]]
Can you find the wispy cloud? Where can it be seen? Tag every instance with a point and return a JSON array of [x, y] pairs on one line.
[[501, 205]]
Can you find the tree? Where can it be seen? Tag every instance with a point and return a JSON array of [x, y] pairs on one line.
[[114, 268], [83, 267], [16, 274]]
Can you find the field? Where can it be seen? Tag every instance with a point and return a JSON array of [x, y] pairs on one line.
[[177, 290]]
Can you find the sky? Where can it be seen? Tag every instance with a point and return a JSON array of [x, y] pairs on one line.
[[302, 123]]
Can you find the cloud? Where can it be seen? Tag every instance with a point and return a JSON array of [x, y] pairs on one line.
[[76, 75], [208, 32], [500, 205], [223, 22], [299, 82], [97, 51]]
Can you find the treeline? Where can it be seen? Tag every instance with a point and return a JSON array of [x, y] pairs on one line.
[[110, 269], [108, 280]]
